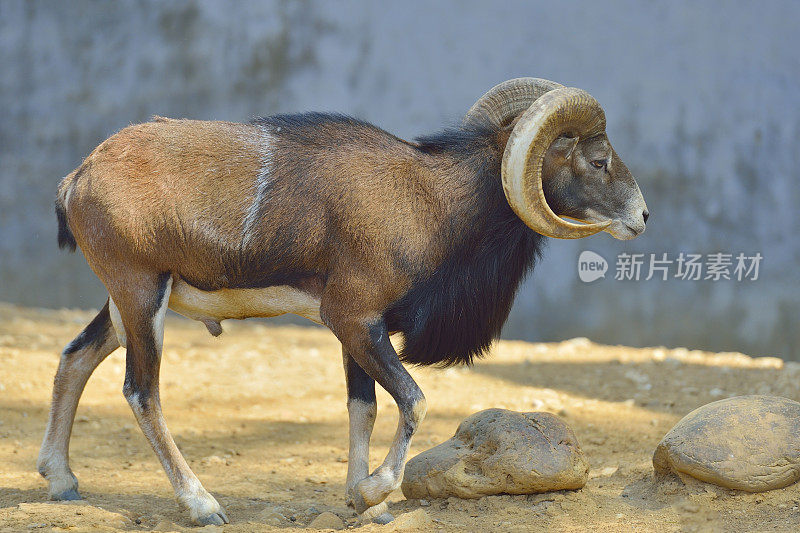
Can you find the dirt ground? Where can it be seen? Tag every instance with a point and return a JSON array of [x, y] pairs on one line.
[[260, 415]]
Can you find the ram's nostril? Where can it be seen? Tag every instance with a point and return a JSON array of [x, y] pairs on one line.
[[645, 215]]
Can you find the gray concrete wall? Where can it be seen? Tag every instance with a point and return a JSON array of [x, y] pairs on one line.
[[702, 102]]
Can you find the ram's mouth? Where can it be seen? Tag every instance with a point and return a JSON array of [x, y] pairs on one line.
[[616, 227], [624, 232]]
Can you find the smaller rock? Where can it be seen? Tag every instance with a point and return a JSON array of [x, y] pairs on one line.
[[272, 517], [167, 526], [603, 472], [327, 520], [417, 520], [75, 514], [213, 460], [308, 513]]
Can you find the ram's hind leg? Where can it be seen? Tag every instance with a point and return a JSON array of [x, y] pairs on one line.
[[142, 309], [78, 361]]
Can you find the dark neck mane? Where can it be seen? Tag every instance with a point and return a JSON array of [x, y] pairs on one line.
[[454, 314]]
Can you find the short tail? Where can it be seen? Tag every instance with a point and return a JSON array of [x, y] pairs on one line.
[[65, 237]]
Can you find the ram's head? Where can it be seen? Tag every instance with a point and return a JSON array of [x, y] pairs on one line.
[[558, 161]]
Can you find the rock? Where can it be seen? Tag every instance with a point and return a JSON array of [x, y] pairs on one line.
[[603, 472], [417, 520], [213, 460], [308, 513], [499, 452], [167, 526], [272, 517], [327, 520], [73, 515], [749, 443]]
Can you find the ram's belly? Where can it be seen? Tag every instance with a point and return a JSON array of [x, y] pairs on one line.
[[213, 306]]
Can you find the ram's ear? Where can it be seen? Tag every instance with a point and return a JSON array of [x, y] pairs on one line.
[[564, 146]]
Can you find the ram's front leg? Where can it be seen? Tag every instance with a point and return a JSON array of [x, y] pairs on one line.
[[381, 362], [367, 342], [361, 408]]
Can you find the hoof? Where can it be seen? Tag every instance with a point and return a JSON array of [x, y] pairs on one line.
[[213, 519], [67, 495], [377, 513], [203, 508], [372, 490], [63, 487]]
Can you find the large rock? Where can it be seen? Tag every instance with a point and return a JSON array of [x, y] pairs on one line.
[[749, 443], [499, 452]]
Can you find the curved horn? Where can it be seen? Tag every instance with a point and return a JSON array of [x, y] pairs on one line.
[[561, 110], [506, 100]]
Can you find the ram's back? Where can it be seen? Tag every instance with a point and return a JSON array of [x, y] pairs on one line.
[[228, 205]]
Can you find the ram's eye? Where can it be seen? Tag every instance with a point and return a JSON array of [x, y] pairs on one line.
[[599, 163]]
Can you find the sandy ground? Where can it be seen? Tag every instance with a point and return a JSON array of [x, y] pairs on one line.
[[260, 415]]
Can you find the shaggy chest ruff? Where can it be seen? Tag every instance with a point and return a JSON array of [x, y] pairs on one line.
[[455, 314]]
